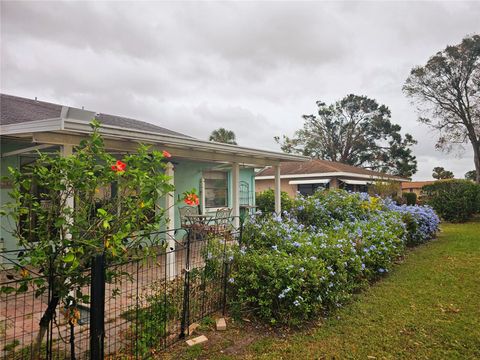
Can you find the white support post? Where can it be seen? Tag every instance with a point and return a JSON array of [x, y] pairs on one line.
[[236, 194], [170, 224], [202, 195], [67, 150], [278, 191]]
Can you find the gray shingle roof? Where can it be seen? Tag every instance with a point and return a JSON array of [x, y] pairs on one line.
[[15, 109]]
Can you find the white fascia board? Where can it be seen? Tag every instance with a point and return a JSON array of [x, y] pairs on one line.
[[180, 141], [336, 174], [355, 182], [309, 181], [53, 124]]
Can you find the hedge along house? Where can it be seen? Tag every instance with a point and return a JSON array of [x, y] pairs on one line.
[[307, 177], [224, 174]]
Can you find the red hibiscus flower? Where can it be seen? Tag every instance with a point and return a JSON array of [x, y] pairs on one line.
[[119, 166], [191, 199], [166, 154]]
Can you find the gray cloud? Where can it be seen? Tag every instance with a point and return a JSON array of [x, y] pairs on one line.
[[252, 67]]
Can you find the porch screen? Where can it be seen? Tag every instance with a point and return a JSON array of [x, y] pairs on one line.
[[216, 189]]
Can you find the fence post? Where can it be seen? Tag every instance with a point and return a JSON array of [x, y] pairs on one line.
[[97, 308], [186, 289]]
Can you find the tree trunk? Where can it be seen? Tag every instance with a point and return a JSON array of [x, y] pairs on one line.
[[476, 159], [44, 324]]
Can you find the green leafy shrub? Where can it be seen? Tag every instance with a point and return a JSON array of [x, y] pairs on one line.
[[314, 257], [410, 198], [453, 200], [150, 319], [265, 201]]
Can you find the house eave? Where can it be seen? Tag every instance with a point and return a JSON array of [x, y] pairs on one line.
[[80, 128], [53, 124], [332, 174], [180, 141]]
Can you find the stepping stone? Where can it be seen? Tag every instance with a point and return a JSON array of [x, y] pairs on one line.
[[197, 340], [221, 324], [193, 327]]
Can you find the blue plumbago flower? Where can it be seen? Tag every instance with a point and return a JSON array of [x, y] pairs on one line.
[[302, 269], [209, 255], [231, 280], [242, 251], [363, 266], [296, 244], [313, 258], [381, 270], [230, 258], [275, 247], [301, 208], [284, 292], [296, 303]]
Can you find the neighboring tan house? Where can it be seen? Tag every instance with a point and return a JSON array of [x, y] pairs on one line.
[[415, 186], [224, 174], [307, 177]]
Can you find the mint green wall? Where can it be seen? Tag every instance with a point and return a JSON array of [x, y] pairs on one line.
[[189, 173], [187, 176], [6, 238]]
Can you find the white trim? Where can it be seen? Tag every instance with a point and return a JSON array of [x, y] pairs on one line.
[[309, 181], [71, 125], [236, 194], [355, 182], [169, 205], [53, 124], [278, 190], [333, 174], [28, 149], [184, 142]]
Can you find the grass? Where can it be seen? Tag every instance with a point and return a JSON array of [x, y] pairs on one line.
[[428, 307]]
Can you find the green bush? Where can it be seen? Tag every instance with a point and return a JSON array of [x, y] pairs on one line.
[[453, 200], [316, 256], [410, 198], [265, 201]]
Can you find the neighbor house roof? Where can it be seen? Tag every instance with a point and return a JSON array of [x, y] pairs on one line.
[[45, 123], [416, 184], [16, 110], [317, 167]]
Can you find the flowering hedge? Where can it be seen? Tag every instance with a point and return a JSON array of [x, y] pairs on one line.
[[316, 256]]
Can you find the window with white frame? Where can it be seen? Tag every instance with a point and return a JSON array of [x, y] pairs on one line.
[[216, 189]]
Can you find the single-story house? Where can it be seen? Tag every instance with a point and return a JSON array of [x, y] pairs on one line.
[[307, 177], [415, 186], [223, 174]]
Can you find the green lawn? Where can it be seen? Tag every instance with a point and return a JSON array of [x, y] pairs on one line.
[[428, 307]]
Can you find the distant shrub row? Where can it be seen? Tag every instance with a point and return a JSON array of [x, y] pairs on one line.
[[453, 200]]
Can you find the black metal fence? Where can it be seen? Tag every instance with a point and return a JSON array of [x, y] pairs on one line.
[[137, 308]]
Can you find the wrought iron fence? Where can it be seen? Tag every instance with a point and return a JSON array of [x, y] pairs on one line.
[[137, 308]]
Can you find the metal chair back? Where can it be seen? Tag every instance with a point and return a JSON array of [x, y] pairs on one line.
[[184, 212]]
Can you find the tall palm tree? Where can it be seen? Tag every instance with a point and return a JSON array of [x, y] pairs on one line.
[[223, 135]]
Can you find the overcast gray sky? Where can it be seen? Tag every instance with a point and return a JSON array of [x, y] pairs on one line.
[[253, 67]]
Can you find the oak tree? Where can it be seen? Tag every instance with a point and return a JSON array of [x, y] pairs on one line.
[[355, 130], [446, 91]]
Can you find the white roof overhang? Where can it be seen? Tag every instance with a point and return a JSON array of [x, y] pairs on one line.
[[72, 131], [309, 181], [333, 174], [355, 182]]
